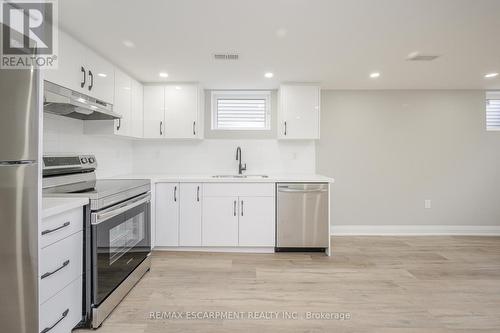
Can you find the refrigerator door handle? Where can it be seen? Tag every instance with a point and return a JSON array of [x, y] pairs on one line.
[[23, 162]]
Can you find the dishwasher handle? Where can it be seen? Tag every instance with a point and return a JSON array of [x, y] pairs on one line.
[[288, 189]]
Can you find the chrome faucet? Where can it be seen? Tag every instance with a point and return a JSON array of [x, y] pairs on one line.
[[241, 167]]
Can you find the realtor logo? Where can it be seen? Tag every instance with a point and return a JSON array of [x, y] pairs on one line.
[[29, 34]]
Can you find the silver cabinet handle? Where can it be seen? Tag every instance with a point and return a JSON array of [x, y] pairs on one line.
[[241, 207], [48, 231], [194, 127], [82, 84], [161, 127], [234, 208], [198, 194], [175, 193], [285, 128], [119, 125], [46, 275], [64, 314]]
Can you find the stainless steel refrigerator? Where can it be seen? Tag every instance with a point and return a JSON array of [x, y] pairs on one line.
[[19, 193]]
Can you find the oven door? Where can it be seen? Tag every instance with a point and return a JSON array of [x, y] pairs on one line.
[[120, 242]]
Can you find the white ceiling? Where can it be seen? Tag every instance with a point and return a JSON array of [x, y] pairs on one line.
[[335, 42]]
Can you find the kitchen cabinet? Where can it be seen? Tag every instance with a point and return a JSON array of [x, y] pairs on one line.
[[154, 112], [123, 103], [82, 70], [137, 111], [299, 112], [167, 214], [220, 221], [100, 77], [190, 214], [128, 104], [236, 214], [256, 221], [173, 111]]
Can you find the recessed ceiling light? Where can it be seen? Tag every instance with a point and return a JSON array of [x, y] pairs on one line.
[[178, 88], [281, 32], [128, 43], [375, 75], [102, 74], [269, 75], [163, 74], [490, 75]]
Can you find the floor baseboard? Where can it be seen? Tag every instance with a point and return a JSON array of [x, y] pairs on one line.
[[413, 230]]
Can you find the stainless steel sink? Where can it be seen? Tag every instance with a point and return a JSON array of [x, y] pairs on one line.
[[240, 176]]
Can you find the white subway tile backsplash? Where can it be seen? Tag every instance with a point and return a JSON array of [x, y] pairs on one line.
[[117, 156]]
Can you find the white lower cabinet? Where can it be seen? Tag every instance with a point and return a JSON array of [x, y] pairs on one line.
[[167, 214], [256, 221], [215, 215], [60, 271], [64, 310], [220, 221], [190, 214]]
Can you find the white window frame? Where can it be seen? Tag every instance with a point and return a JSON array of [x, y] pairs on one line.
[[243, 94], [491, 95]]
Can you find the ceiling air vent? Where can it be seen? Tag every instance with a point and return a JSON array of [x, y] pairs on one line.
[[226, 56], [421, 57]]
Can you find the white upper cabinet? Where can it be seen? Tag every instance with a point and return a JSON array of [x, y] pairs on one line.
[[181, 111], [100, 77], [299, 112], [154, 112], [71, 72], [137, 111], [82, 70], [172, 111], [123, 103]]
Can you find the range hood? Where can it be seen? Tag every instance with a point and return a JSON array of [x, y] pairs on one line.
[[66, 102]]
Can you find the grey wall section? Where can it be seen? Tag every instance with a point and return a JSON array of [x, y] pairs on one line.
[[390, 150]]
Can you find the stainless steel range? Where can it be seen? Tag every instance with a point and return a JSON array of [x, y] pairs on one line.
[[117, 242]]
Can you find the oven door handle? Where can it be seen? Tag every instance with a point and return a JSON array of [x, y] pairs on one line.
[[100, 217]]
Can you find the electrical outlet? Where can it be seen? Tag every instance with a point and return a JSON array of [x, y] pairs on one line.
[[428, 204]]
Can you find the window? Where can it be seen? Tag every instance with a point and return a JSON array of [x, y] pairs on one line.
[[241, 110], [493, 111]]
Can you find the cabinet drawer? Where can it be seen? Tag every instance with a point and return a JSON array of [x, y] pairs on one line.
[[64, 310], [60, 263], [238, 189], [60, 226]]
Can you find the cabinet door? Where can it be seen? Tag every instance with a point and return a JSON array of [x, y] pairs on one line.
[[299, 112], [256, 221], [71, 72], [167, 214], [154, 108], [123, 101], [220, 221], [100, 78], [137, 110], [181, 111], [190, 214]]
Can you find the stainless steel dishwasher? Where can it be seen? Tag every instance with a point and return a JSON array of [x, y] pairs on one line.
[[302, 216]]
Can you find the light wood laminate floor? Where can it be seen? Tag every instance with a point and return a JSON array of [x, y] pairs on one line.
[[385, 284]]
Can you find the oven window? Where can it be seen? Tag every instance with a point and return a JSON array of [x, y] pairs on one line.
[[124, 237]]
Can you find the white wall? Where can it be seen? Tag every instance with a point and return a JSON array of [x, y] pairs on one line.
[[390, 150], [65, 135], [213, 156]]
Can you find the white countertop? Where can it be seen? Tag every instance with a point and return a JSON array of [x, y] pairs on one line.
[[159, 178], [53, 205]]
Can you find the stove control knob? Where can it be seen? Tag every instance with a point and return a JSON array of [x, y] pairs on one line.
[[84, 160], [91, 160]]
